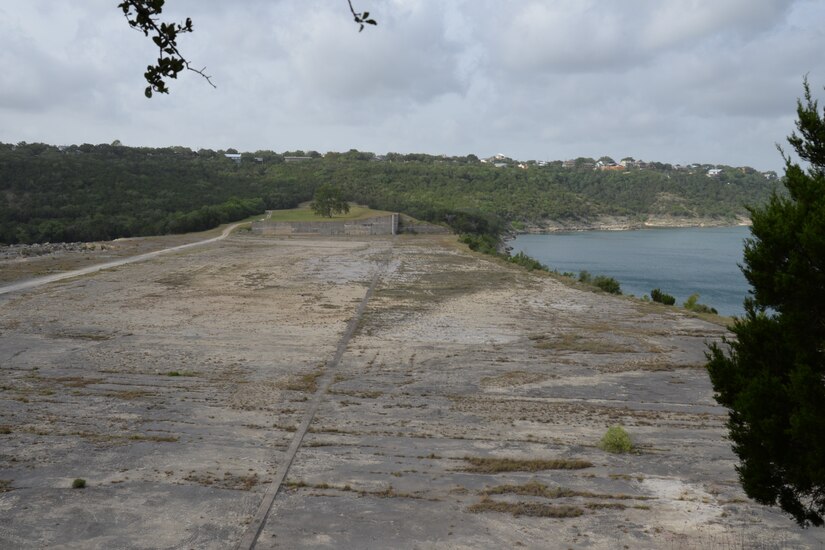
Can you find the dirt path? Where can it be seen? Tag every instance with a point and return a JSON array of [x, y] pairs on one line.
[[464, 409], [40, 281]]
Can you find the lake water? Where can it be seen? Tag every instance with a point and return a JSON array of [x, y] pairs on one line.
[[679, 261]]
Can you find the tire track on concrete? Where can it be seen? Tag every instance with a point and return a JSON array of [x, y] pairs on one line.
[[253, 530], [39, 281]]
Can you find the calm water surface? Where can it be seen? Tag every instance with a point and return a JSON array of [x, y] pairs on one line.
[[679, 261]]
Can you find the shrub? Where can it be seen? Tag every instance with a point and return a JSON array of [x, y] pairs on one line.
[[180, 373], [658, 296], [584, 277], [486, 244], [524, 260], [616, 440], [691, 304], [608, 284], [79, 483]]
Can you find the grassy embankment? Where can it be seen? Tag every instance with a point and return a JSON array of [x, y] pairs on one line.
[[304, 214]]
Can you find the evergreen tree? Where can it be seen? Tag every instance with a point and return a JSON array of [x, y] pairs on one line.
[[772, 377]]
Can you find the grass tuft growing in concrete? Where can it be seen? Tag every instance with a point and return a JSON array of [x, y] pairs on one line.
[[494, 465], [616, 440], [537, 489], [532, 509], [307, 383]]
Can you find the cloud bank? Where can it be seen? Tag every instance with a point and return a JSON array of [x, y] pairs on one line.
[[678, 81]]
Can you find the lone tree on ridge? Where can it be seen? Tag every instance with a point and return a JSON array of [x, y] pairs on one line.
[[772, 378], [328, 200]]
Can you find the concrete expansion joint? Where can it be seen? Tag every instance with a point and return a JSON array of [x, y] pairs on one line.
[[253, 530]]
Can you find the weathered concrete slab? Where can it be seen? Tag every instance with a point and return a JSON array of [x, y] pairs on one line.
[[174, 388]]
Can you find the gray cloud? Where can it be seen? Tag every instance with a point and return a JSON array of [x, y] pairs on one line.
[[676, 81]]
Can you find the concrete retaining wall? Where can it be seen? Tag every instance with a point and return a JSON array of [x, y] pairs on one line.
[[379, 225], [411, 225]]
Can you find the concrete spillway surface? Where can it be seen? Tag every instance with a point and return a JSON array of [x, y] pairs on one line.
[[460, 406]]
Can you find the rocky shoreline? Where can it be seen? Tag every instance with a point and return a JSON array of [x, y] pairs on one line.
[[627, 223]]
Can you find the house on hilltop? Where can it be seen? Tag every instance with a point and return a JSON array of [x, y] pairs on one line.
[[604, 165]]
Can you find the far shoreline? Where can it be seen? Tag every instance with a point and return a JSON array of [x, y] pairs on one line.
[[619, 223]]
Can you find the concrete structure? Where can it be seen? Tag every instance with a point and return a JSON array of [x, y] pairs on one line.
[[379, 225], [411, 225]]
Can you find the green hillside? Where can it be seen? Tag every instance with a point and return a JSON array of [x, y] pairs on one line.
[[86, 192]]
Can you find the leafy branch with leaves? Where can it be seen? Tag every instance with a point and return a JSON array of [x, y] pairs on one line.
[[143, 16], [361, 18]]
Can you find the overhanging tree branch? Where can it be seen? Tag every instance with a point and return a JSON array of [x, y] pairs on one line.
[[142, 16], [361, 18]]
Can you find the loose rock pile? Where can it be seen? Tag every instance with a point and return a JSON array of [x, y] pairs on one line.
[[9, 252]]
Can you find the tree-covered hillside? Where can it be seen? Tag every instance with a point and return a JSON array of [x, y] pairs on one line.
[[101, 192]]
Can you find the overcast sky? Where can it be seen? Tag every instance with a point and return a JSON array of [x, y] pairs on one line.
[[712, 81]]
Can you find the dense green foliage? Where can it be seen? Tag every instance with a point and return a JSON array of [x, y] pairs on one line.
[[602, 282], [608, 284], [484, 243], [328, 200], [95, 192], [662, 297], [772, 376], [102, 192], [527, 262]]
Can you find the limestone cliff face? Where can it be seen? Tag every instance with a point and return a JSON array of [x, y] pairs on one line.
[[623, 223]]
